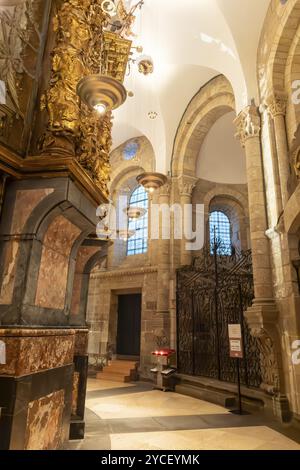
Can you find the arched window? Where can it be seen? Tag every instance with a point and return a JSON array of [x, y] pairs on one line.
[[220, 233], [138, 244]]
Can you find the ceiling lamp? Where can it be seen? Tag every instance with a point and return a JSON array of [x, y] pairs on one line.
[[135, 212], [145, 65], [109, 7], [103, 233], [125, 235], [101, 92], [152, 181]]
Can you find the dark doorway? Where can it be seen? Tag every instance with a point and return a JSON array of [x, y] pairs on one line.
[[129, 325]]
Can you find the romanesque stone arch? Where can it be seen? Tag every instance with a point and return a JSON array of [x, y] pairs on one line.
[[214, 100]]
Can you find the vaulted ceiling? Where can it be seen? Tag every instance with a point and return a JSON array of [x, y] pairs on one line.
[[190, 42]]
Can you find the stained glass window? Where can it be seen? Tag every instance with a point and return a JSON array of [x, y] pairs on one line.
[[130, 150]]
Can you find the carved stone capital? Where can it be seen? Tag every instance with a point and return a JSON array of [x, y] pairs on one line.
[[276, 104], [165, 190], [248, 124], [186, 185]]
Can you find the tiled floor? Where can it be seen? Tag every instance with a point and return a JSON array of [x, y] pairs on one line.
[[133, 416]]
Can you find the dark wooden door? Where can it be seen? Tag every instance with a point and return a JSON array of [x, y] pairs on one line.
[[129, 325]]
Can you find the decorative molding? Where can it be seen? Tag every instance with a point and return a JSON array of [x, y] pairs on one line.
[[123, 273], [50, 167], [248, 124]]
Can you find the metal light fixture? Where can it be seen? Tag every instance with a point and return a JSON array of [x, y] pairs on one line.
[[145, 65], [109, 7], [152, 181], [125, 235], [135, 212], [103, 233], [101, 92]]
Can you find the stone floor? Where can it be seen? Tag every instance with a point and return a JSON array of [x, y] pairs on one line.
[[133, 417]]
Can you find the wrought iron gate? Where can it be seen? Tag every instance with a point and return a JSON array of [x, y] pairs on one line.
[[211, 294]]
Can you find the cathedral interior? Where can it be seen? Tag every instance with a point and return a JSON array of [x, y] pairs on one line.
[[149, 225]]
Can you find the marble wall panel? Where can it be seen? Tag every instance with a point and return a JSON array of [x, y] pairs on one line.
[[10, 257], [53, 274], [44, 422], [26, 201]]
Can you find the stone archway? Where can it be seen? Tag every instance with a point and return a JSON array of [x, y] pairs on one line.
[[214, 100]]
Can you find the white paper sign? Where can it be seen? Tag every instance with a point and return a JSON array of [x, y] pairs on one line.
[[235, 345], [2, 352], [2, 92], [235, 331]]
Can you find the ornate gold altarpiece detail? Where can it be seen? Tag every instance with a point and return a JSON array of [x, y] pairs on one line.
[[82, 48]]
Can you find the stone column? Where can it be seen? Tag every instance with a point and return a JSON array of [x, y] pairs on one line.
[[186, 187], [163, 258], [248, 124], [263, 315], [277, 109]]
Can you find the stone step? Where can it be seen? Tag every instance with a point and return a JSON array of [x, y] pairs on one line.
[[112, 377], [119, 371]]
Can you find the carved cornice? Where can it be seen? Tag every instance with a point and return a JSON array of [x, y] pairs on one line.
[[248, 124], [186, 185], [125, 273], [276, 104], [50, 167]]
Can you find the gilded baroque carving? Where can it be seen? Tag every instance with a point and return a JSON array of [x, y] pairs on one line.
[[94, 145], [248, 124], [73, 38], [6, 120], [82, 48], [19, 31], [114, 57]]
